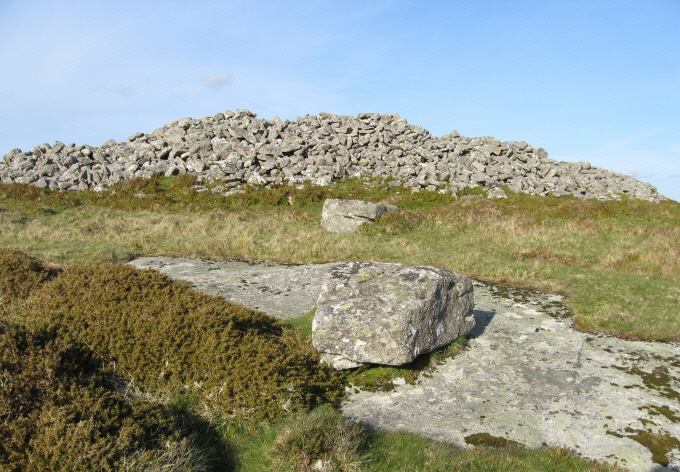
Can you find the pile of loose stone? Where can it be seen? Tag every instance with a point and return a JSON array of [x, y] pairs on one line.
[[235, 149]]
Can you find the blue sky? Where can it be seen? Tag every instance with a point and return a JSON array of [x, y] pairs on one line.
[[595, 80]]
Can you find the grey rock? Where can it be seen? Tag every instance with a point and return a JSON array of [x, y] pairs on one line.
[[321, 149], [345, 216], [339, 362], [383, 313], [195, 165], [496, 192], [283, 291], [479, 166], [526, 375]]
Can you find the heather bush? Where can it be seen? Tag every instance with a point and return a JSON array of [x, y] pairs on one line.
[[60, 410], [20, 274], [163, 336]]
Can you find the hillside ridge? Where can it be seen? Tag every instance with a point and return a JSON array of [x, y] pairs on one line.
[[233, 149]]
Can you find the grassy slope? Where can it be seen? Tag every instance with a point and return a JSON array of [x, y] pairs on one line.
[[618, 262], [556, 244]]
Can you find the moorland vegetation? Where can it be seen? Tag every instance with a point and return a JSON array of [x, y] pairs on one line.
[[106, 367]]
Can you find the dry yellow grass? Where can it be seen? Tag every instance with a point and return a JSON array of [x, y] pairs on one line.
[[608, 264], [617, 262]]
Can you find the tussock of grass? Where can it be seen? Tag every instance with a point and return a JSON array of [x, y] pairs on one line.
[[166, 337], [319, 440], [259, 448], [403, 451]]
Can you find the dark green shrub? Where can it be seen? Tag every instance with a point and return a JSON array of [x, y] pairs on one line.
[[60, 412], [393, 223], [16, 191], [137, 186], [20, 274], [166, 337]]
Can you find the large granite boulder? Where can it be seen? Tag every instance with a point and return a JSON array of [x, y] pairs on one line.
[[380, 313], [345, 216]]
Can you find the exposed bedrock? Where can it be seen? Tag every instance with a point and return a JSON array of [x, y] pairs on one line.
[[236, 149]]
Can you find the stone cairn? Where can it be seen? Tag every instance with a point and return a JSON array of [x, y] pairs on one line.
[[236, 149]]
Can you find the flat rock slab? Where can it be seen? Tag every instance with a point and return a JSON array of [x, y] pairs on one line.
[[282, 291], [526, 377], [529, 377]]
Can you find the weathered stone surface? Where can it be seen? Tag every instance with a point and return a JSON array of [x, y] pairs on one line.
[[496, 193], [283, 291], [383, 313], [526, 376], [529, 377], [339, 362], [246, 150], [345, 216]]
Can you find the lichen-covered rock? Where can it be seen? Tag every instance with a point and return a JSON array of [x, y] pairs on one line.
[[496, 192], [345, 216], [381, 313]]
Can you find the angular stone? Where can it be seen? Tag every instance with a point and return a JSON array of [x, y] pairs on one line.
[[478, 166], [195, 165], [345, 216], [381, 313], [496, 192]]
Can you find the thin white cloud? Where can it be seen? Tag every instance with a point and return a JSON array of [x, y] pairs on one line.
[[634, 141], [216, 81], [638, 175], [121, 91]]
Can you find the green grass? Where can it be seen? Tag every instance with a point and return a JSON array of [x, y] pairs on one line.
[[255, 446], [83, 346], [618, 262], [303, 324]]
